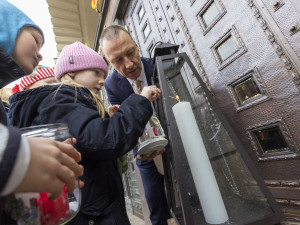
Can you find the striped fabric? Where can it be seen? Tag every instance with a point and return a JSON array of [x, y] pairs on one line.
[[38, 74]]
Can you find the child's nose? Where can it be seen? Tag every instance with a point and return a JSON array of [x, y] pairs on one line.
[[101, 81]]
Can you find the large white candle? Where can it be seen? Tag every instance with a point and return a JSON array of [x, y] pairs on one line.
[[207, 188]]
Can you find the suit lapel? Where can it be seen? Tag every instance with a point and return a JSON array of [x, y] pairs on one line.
[[124, 86], [148, 68]]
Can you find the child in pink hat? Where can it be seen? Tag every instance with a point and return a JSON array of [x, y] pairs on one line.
[[100, 139]]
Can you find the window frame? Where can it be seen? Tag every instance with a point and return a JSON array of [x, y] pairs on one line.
[[261, 156], [143, 28], [138, 11], [252, 102], [236, 37], [222, 12]]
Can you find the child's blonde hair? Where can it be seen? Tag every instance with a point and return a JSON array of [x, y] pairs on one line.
[[5, 93], [66, 79]]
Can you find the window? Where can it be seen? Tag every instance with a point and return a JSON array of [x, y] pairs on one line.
[[247, 90], [146, 30], [271, 140], [210, 14], [141, 12], [228, 48]]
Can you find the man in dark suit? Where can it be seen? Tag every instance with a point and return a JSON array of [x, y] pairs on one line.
[[122, 53]]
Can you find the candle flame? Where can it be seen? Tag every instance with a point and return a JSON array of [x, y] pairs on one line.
[[177, 98]]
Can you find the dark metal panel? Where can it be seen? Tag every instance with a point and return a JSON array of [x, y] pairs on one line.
[[186, 208]]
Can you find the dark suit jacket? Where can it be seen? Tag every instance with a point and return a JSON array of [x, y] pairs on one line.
[[118, 87]]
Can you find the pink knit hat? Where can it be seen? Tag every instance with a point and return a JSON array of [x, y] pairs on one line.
[[77, 57], [39, 73]]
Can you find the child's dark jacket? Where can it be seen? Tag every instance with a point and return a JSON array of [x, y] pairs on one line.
[[100, 141]]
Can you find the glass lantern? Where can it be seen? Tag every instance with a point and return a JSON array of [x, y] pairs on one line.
[[213, 176], [153, 138], [36, 208]]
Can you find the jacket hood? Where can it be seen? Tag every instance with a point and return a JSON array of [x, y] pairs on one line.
[[24, 105], [12, 20], [9, 69]]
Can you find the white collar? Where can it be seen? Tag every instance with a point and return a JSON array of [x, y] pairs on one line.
[[142, 78]]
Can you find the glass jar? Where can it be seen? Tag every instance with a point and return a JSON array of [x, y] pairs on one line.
[[36, 208]]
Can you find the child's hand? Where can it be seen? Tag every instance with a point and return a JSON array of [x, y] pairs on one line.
[[112, 110], [151, 92]]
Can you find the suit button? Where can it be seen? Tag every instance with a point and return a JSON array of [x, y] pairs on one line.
[[91, 222]]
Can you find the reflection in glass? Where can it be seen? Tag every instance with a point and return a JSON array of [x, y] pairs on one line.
[[271, 140], [247, 90], [210, 14], [227, 48], [243, 199]]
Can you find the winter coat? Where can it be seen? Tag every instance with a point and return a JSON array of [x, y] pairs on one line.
[[100, 140]]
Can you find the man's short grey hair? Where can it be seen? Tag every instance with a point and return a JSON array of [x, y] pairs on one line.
[[112, 32]]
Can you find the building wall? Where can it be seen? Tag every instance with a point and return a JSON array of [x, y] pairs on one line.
[[267, 35]]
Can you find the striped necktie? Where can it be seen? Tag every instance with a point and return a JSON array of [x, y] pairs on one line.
[[138, 86]]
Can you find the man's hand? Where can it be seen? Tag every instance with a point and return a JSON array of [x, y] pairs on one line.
[[151, 92], [150, 156], [52, 165]]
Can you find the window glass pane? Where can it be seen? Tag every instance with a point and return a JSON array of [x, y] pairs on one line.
[[141, 12], [210, 14], [247, 90], [271, 140], [146, 30], [227, 48]]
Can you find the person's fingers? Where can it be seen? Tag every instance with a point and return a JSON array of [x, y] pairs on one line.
[[71, 164], [162, 151], [69, 150], [57, 191], [67, 176], [153, 155], [81, 184], [141, 157], [150, 156], [71, 141]]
